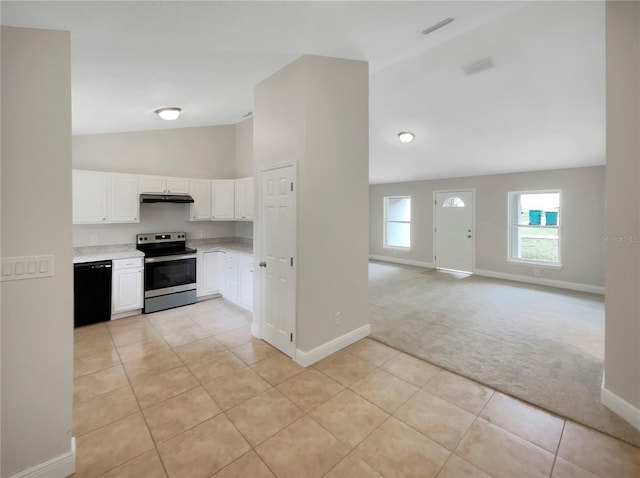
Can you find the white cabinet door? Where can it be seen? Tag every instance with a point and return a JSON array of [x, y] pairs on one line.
[[245, 281], [223, 199], [213, 273], [90, 197], [244, 199], [125, 202], [177, 185], [153, 184], [200, 209], [164, 184], [127, 292]]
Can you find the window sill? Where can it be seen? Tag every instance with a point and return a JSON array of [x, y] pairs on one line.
[[536, 264], [397, 248]]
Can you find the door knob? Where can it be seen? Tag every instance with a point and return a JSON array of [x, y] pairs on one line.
[[263, 264]]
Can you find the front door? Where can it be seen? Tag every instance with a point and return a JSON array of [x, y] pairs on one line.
[[278, 279], [453, 234]]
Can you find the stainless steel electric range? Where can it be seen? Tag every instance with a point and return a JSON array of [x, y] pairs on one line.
[[169, 270]]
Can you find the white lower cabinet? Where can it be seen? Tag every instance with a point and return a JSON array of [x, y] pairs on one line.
[[245, 281], [231, 278], [239, 280], [127, 285], [228, 273], [211, 273]]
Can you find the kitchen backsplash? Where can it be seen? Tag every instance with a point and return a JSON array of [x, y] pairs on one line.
[[159, 218]]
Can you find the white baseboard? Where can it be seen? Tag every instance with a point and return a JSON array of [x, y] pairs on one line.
[[594, 289], [58, 467], [308, 358], [255, 329], [407, 262], [128, 313], [620, 407]]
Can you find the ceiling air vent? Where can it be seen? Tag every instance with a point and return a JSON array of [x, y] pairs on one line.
[[438, 25], [478, 66]]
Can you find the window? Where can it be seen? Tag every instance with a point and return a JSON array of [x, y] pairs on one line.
[[534, 223], [453, 202], [397, 222]]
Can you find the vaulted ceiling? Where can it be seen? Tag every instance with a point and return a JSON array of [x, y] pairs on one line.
[[541, 106]]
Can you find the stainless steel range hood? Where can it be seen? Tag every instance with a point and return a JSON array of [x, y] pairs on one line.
[[174, 198]]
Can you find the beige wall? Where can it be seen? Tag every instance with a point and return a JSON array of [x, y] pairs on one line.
[[315, 111], [205, 152], [244, 148], [582, 220], [622, 275], [37, 314]]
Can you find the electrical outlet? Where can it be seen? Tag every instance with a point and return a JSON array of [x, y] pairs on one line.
[[338, 318], [536, 272], [93, 240], [201, 234]]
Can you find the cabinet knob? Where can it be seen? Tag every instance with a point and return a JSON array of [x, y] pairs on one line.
[[263, 264]]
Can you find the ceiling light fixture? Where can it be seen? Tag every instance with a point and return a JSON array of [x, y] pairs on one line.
[[406, 137], [433, 28], [168, 114]]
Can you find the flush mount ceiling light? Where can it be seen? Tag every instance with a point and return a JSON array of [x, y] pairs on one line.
[[438, 25], [168, 114], [406, 137]]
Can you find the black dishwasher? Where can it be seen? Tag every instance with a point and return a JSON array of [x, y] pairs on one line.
[[91, 293]]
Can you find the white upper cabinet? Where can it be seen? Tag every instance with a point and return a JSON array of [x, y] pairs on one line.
[[90, 197], [164, 185], [125, 202], [223, 199], [200, 209], [103, 198], [244, 199]]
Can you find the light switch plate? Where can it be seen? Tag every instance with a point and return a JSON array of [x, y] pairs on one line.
[[26, 267]]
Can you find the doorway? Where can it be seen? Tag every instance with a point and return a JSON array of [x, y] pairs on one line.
[[454, 230]]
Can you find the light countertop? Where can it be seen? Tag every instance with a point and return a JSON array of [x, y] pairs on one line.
[[105, 253], [125, 251]]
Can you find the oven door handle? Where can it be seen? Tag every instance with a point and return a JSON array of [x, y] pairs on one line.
[[148, 260]]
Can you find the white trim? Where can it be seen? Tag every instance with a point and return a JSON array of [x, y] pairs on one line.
[[620, 407], [128, 313], [594, 289], [60, 466], [308, 358], [408, 262]]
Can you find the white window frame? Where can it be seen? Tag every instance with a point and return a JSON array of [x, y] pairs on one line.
[[512, 203], [385, 204]]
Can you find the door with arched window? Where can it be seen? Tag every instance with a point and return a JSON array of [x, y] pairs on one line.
[[453, 230]]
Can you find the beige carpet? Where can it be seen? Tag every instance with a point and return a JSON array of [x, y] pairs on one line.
[[540, 344]]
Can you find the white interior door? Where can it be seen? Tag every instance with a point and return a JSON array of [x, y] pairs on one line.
[[277, 268], [453, 235]]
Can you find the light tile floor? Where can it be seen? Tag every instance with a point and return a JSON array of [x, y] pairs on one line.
[[189, 393]]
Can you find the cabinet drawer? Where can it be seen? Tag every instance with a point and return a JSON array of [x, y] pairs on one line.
[[127, 263]]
